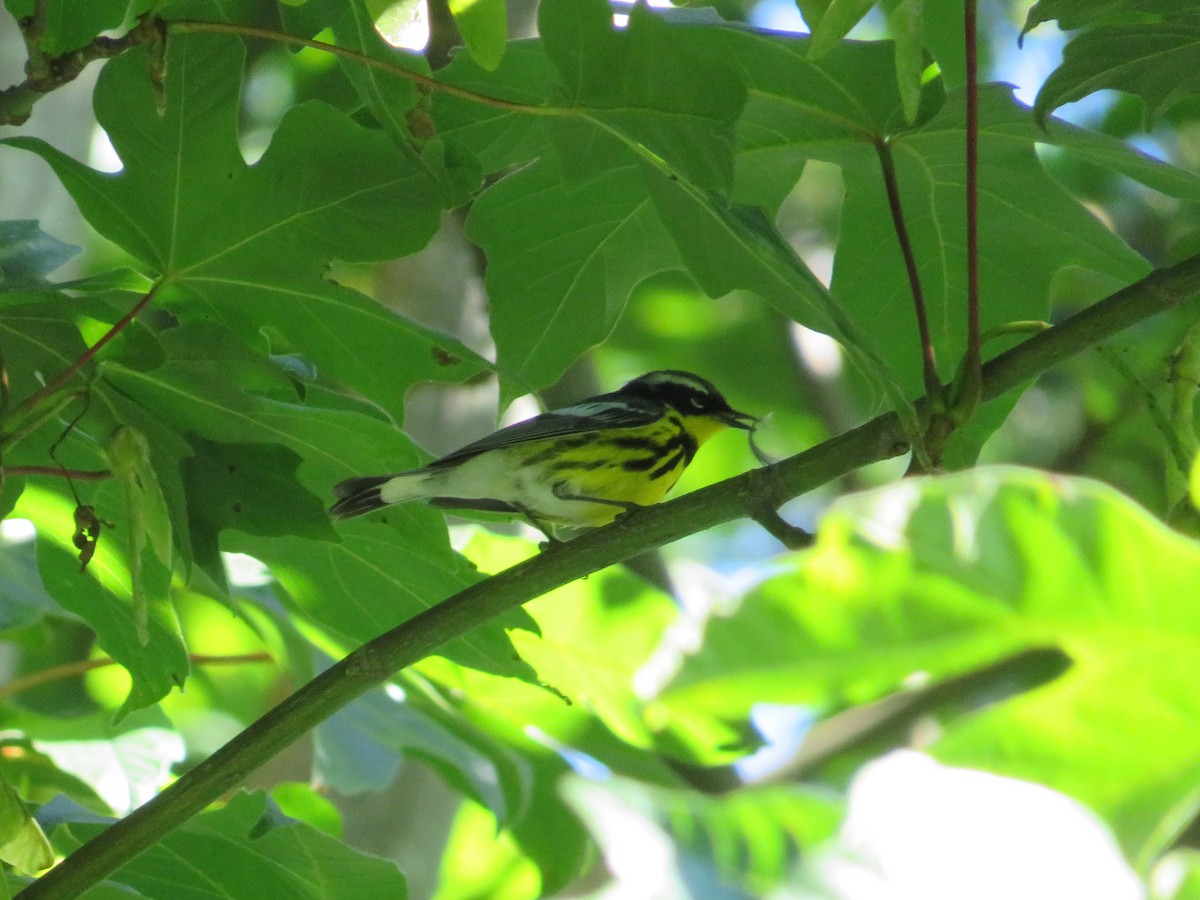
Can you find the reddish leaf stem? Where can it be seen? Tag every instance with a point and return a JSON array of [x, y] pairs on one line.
[[186, 26], [77, 474], [973, 343], [68, 373], [933, 384], [79, 667]]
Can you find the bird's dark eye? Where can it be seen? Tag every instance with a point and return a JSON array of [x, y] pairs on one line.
[[696, 403]]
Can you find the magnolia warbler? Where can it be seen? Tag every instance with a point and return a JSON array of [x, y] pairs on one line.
[[576, 467]]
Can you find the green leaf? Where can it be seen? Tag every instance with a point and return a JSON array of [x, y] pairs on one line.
[[498, 867], [1032, 229], [1073, 14], [22, 843], [27, 254], [639, 87], [498, 136], [102, 597], [40, 778], [397, 103], [1155, 61], [794, 103], [24, 601], [483, 25], [360, 747], [40, 340], [812, 10], [383, 570], [149, 527], [125, 764], [835, 23], [943, 576], [247, 849], [302, 802], [249, 487], [605, 645], [71, 25], [944, 35], [249, 243], [603, 239], [1194, 483], [905, 21]]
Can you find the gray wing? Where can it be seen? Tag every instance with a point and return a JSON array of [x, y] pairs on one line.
[[590, 415]]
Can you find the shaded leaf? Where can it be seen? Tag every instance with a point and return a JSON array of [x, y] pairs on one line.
[[385, 569], [27, 254], [621, 92], [1157, 62], [557, 288], [246, 849], [360, 747], [1073, 14]]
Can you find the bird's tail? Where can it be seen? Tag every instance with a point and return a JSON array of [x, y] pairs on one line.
[[358, 496]]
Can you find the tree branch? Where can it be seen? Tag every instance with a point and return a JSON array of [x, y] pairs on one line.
[[411, 641], [47, 73]]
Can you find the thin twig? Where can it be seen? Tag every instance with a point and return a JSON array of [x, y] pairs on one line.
[[24, 683], [791, 536], [186, 26]]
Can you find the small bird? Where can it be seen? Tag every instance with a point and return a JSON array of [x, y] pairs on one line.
[[581, 466]]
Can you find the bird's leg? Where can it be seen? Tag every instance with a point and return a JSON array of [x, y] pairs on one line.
[[544, 527]]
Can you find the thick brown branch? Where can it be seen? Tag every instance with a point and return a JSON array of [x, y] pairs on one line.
[[410, 642]]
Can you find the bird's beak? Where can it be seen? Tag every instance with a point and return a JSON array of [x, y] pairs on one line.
[[741, 420]]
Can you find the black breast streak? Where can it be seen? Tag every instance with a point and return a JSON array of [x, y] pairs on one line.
[[639, 463], [564, 465], [633, 443], [669, 464], [554, 449], [690, 446]]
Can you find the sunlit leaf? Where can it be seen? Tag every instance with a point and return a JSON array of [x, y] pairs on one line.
[[22, 843], [942, 576]]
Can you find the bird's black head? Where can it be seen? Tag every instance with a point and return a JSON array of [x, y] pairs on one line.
[[690, 395]]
